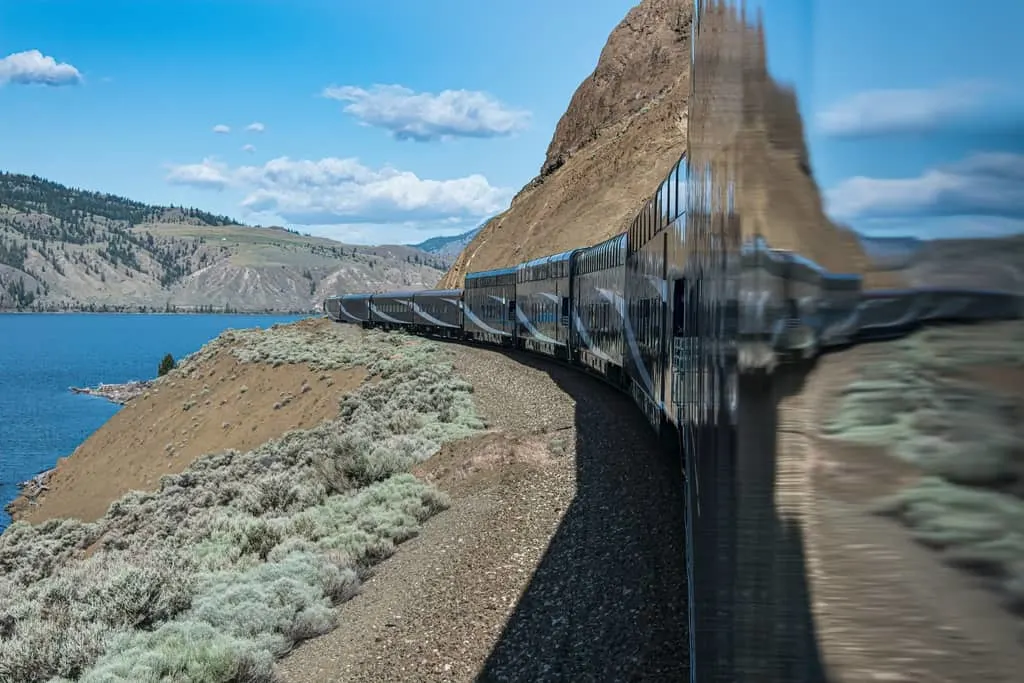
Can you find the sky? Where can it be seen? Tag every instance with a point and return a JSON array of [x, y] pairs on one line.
[[394, 122], [361, 121], [913, 110]]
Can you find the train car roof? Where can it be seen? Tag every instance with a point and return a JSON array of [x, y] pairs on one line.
[[495, 271], [621, 237], [399, 294], [550, 258], [439, 292], [359, 295]]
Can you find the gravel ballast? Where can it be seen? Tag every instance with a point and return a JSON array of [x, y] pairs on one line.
[[560, 559]]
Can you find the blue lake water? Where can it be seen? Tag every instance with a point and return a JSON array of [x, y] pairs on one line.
[[42, 356]]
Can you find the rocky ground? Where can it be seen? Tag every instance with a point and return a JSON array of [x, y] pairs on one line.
[[116, 393], [561, 557]]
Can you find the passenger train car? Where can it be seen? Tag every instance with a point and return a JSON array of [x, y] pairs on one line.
[[669, 311]]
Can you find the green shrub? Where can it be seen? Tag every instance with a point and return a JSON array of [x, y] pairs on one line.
[[230, 563], [166, 365]]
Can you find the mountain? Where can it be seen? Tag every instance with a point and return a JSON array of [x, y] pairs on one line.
[[68, 249], [629, 121], [448, 247], [624, 128]]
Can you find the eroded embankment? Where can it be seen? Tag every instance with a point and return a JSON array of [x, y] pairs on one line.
[[227, 562]]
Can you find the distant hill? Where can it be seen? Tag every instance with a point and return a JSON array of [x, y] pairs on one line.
[[449, 247], [64, 249]]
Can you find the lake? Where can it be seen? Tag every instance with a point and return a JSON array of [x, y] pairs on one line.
[[43, 355]]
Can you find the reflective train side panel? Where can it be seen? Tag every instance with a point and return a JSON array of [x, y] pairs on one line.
[[646, 357], [489, 306], [393, 309], [599, 306], [438, 311], [353, 308], [542, 304]]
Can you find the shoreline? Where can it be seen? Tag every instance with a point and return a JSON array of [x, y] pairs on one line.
[[121, 394], [117, 393]]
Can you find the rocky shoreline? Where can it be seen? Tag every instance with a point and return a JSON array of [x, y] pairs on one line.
[[118, 393]]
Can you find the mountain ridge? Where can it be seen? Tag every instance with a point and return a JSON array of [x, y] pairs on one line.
[[67, 249]]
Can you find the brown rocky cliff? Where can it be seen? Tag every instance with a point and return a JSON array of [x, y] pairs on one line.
[[623, 130], [628, 123]]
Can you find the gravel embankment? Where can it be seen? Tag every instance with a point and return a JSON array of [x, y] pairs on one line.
[[560, 559]]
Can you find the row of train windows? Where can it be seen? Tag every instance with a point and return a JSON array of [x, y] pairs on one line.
[[543, 271], [491, 310], [646, 317], [608, 256], [599, 315], [390, 307], [664, 207], [490, 280]]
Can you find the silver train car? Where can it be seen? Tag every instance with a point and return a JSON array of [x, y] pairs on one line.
[[542, 301], [392, 309], [438, 311], [488, 303], [598, 307], [349, 308]]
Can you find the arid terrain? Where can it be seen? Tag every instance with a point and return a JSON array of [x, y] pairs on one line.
[[110, 253]]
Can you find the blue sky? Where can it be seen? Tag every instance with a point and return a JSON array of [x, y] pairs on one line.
[[386, 122], [144, 82], [913, 110]]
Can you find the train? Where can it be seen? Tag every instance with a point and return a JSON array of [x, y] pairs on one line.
[[669, 310]]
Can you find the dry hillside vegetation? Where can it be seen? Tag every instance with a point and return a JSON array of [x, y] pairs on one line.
[[227, 563], [946, 407], [628, 123], [68, 249]]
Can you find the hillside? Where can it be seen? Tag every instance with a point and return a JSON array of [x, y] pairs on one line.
[[67, 249], [627, 124], [624, 128], [447, 247]]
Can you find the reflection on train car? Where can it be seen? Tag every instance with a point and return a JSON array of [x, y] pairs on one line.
[[392, 309], [489, 299], [438, 311], [598, 307], [542, 299]]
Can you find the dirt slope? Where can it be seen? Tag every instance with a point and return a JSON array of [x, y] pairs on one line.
[[225, 404]]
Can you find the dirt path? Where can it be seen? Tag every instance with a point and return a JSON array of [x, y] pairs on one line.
[[560, 559]]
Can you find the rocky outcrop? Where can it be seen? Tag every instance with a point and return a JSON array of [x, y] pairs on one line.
[[623, 130], [118, 393], [629, 122]]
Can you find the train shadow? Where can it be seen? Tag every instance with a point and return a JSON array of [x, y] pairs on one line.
[[608, 601], [752, 580]]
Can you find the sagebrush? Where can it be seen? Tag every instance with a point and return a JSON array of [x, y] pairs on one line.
[[230, 563], [923, 406]]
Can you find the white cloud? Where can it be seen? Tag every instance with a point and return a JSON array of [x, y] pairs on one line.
[[426, 116], [221, 129], [343, 191], [33, 67], [881, 112], [249, 148], [256, 127], [986, 184]]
